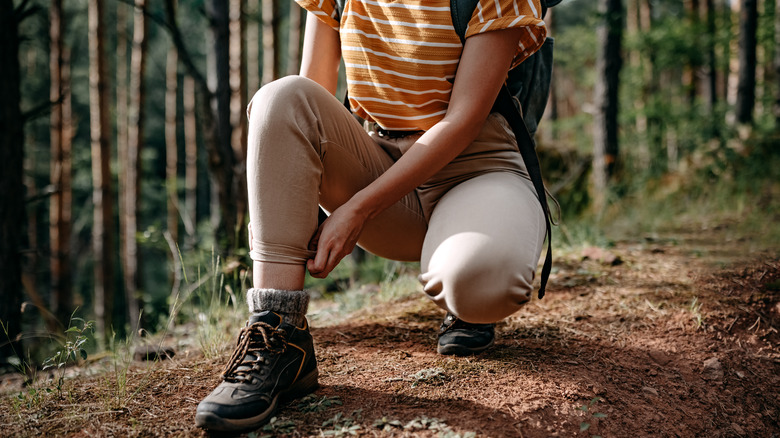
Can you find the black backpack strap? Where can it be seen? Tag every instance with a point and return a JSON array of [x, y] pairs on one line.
[[461, 11], [340, 8], [505, 105]]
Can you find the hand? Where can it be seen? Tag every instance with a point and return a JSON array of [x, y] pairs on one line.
[[334, 239]]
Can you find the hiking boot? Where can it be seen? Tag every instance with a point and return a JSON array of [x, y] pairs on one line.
[[273, 362], [462, 338]]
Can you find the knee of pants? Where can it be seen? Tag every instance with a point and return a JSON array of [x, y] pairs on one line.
[[481, 287], [282, 93]]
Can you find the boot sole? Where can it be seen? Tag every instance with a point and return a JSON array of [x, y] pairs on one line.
[[213, 422]]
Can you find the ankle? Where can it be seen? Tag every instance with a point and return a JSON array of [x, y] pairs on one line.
[[291, 305]]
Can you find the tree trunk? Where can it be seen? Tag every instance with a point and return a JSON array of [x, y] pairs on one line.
[[61, 168], [712, 66], [222, 162], [171, 145], [691, 69], [102, 227], [11, 181], [608, 64], [746, 83], [777, 66], [132, 186], [269, 42], [190, 218], [253, 45], [294, 40], [238, 102], [121, 136]]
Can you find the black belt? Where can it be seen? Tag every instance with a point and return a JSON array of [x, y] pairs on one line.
[[384, 133]]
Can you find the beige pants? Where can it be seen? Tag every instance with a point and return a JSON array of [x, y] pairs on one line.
[[476, 227]]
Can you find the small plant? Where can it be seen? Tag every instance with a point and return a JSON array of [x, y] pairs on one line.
[[312, 403], [72, 349], [428, 375], [386, 424], [590, 413], [275, 426], [422, 423], [341, 425], [695, 309]]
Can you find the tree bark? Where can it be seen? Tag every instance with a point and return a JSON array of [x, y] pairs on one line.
[[746, 83], [11, 181], [102, 227], [238, 102], [776, 105], [132, 185], [171, 145], [222, 162], [608, 64], [121, 134], [691, 70], [61, 169], [228, 191], [712, 67], [190, 218], [294, 40], [269, 42], [253, 45]]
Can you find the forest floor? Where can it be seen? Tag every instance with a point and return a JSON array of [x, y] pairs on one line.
[[674, 335]]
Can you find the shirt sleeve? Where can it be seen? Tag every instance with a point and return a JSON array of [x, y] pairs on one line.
[[506, 14], [325, 10]]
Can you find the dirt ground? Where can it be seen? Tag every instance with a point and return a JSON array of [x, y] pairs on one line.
[[664, 336]]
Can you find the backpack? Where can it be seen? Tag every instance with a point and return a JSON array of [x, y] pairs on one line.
[[521, 101]]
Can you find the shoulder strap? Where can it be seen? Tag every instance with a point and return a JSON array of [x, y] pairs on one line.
[[462, 10], [505, 105], [340, 8]]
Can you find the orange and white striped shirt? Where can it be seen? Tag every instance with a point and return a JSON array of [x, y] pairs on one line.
[[401, 56]]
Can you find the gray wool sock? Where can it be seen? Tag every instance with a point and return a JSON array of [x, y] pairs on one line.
[[290, 304]]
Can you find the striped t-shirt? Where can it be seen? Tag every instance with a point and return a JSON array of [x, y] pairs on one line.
[[401, 56]]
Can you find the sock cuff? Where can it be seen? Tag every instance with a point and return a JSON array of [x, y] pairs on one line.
[[291, 302]]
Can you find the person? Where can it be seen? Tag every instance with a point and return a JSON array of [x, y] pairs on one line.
[[436, 178]]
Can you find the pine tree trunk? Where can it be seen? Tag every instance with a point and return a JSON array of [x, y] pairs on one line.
[[746, 84], [294, 41], [212, 98], [776, 108], [253, 45], [171, 144], [189, 217], [691, 70], [132, 185], [238, 103], [269, 42], [102, 199], [11, 181], [608, 64], [121, 134], [59, 203], [712, 67], [225, 218]]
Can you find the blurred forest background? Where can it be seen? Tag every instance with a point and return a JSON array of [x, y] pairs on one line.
[[123, 140]]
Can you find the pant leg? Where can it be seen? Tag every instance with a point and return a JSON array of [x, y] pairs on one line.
[[483, 244], [305, 149]]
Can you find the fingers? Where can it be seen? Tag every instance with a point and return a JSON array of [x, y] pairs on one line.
[[325, 261]]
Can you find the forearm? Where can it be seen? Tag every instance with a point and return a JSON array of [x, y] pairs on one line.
[[474, 92], [435, 148]]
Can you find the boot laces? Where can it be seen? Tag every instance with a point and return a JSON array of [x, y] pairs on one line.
[[256, 343]]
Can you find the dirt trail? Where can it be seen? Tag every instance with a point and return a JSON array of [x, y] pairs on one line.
[[675, 337]]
